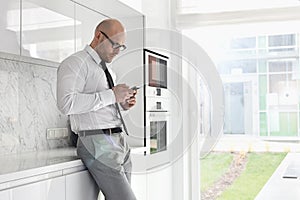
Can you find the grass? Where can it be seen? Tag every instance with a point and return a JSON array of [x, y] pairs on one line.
[[213, 167], [258, 170]]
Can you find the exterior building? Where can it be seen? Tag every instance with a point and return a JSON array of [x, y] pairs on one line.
[[261, 76]]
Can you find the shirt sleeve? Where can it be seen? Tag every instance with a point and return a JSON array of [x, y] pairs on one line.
[[114, 77], [71, 80]]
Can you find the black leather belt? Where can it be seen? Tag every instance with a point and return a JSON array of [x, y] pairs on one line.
[[100, 131]]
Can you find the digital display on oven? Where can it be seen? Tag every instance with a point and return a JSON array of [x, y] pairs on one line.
[[157, 71]]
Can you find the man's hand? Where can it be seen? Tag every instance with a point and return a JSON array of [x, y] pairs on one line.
[[122, 93], [129, 102]]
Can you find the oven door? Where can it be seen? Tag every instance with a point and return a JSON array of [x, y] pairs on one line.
[[157, 139], [156, 68]]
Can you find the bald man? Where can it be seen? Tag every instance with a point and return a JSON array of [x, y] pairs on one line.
[[87, 94]]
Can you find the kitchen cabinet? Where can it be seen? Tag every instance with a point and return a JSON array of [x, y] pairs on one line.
[[81, 186], [36, 35], [75, 186], [139, 185], [159, 183], [4, 195], [52, 189]]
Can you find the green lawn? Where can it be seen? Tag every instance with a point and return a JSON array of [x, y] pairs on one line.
[[258, 170], [213, 167]]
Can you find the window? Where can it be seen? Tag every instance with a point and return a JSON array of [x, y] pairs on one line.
[[281, 66], [280, 43], [243, 43], [266, 66], [281, 40]]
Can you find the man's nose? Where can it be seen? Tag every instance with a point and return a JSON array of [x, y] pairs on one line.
[[116, 51]]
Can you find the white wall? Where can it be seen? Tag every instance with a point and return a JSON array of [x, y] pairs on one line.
[[159, 23], [135, 4]]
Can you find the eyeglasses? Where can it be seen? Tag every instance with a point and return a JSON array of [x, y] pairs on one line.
[[115, 45]]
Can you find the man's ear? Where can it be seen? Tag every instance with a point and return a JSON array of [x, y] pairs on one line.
[[98, 35]]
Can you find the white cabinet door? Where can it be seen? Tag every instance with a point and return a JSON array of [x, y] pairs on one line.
[[81, 186], [5, 195], [139, 185], [52, 189], [159, 184]]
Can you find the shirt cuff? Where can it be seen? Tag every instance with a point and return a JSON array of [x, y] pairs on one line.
[[107, 97]]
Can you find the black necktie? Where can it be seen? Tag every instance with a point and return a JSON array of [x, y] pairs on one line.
[[111, 85]]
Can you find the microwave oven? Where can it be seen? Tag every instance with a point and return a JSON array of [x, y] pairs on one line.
[[156, 65]]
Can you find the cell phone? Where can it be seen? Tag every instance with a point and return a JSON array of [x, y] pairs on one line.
[[136, 87]]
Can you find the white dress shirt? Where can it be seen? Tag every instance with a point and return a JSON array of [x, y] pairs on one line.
[[83, 92]]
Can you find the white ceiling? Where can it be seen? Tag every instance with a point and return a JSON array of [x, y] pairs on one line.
[[192, 20], [215, 6]]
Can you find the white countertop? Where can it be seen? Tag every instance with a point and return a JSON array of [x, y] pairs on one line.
[[30, 167], [277, 187]]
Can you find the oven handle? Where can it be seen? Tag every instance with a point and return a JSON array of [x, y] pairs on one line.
[[158, 114]]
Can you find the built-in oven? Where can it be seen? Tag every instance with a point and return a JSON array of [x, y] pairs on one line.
[[157, 109], [158, 136], [157, 129]]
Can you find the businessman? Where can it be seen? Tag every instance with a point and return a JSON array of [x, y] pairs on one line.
[[87, 93]]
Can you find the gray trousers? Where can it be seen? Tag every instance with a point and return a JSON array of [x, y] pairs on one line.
[[107, 158]]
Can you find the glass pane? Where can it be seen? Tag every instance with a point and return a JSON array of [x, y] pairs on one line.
[[262, 52], [263, 124], [289, 93], [243, 43], [247, 66], [286, 124], [298, 92], [10, 26], [158, 139], [86, 22], [274, 121], [296, 70], [282, 40], [280, 66], [293, 123], [285, 88], [48, 29], [262, 91], [234, 108], [224, 68], [262, 42], [276, 81], [241, 66], [262, 66]]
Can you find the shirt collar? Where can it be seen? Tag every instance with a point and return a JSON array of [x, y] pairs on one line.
[[93, 54]]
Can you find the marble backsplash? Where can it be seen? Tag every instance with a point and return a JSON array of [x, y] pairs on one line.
[[28, 104]]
